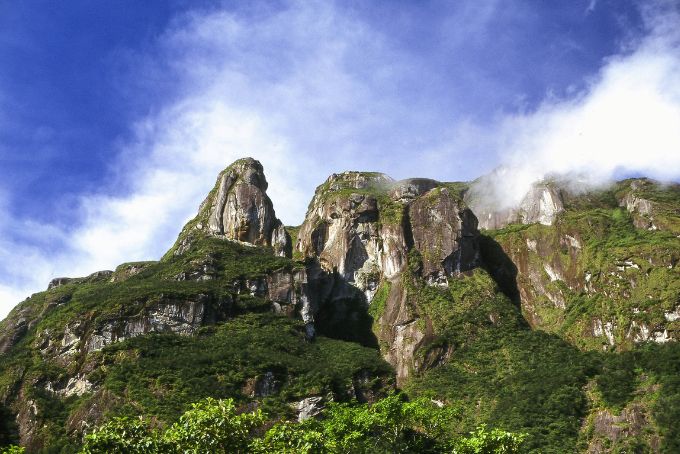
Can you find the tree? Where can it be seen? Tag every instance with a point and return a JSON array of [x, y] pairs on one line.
[[122, 436], [214, 426], [495, 441]]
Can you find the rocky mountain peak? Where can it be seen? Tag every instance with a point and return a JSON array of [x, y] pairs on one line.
[[353, 180], [238, 208]]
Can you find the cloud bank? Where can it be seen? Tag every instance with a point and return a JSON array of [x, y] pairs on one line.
[[627, 122]]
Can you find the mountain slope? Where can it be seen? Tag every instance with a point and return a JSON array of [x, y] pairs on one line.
[[560, 323]]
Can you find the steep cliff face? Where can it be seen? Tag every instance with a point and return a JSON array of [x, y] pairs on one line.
[[653, 206], [561, 323], [215, 317], [342, 227], [359, 231]]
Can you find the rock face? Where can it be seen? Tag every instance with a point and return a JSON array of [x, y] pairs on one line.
[[641, 197], [445, 233], [541, 205], [612, 430], [358, 233], [239, 209], [341, 227]]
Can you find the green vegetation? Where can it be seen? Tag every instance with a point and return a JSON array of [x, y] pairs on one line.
[[162, 374], [609, 270], [294, 231], [159, 375], [234, 381], [392, 425], [500, 372]]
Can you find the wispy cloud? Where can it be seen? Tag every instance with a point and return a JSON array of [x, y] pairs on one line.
[[591, 6]]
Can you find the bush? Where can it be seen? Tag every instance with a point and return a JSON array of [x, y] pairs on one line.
[[392, 425]]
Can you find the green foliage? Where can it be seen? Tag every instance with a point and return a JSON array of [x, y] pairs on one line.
[[490, 368], [481, 441], [214, 426], [523, 380], [123, 436], [287, 437], [391, 425], [294, 231], [12, 449], [163, 374], [211, 425], [379, 300]]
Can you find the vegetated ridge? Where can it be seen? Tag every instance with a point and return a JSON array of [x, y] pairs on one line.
[[558, 319]]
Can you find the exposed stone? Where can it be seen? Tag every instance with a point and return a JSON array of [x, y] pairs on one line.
[[240, 209], [13, 334], [401, 331], [631, 422], [58, 282], [309, 407], [343, 231], [445, 233], [672, 316], [359, 228], [605, 329], [409, 189], [180, 317], [128, 270], [76, 386], [541, 204], [264, 385]]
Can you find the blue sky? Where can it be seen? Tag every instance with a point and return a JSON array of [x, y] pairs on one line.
[[115, 117]]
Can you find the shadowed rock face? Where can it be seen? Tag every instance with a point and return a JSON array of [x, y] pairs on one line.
[[366, 235], [239, 208], [445, 233]]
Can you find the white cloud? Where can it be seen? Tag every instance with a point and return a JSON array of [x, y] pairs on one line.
[[627, 121]]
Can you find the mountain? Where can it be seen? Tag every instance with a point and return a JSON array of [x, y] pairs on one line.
[[558, 318]]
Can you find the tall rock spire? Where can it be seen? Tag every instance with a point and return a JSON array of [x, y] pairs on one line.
[[238, 208]]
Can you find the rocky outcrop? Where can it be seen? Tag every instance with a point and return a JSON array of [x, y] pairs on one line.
[[399, 327], [165, 316], [445, 233], [361, 226], [97, 276], [284, 289], [652, 205], [542, 204], [342, 228], [239, 209], [611, 432], [357, 235], [309, 407]]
